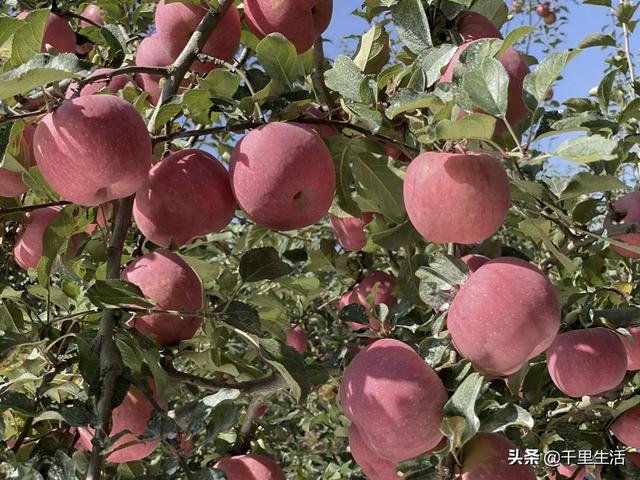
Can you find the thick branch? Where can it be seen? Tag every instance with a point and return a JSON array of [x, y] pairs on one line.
[[317, 75], [261, 386]]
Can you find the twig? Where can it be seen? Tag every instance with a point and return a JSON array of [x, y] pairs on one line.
[[31, 208], [19, 116], [163, 71], [80, 17], [627, 50], [260, 386], [317, 75]]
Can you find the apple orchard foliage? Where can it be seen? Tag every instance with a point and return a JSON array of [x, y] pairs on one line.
[[257, 263]]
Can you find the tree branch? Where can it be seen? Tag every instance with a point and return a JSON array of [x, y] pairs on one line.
[[261, 386], [31, 208], [19, 116], [69, 15]]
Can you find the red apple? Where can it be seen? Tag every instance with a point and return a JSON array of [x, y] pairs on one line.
[[28, 248], [625, 210], [486, 457], [550, 19], [567, 471], [91, 12], [350, 231], [456, 198], [168, 281], [297, 339], [506, 313], [378, 284], [301, 21], [58, 34], [394, 399], [474, 26], [93, 149], [156, 50], [115, 84], [474, 262], [543, 9], [632, 347], [186, 196], [11, 183], [626, 427], [373, 465], [250, 467], [587, 362], [283, 176]]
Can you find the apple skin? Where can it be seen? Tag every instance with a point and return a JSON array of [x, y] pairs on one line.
[[517, 70], [250, 467], [28, 248], [456, 198], [283, 176], [87, 163], [626, 427], [394, 399], [587, 362], [186, 196], [474, 262], [383, 283], [92, 12], [301, 22], [506, 313], [132, 414], [543, 9], [115, 84], [632, 347], [350, 231], [173, 285], [474, 26], [372, 465], [486, 457], [11, 183], [568, 470], [58, 34], [297, 339], [179, 21], [156, 50], [627, 207]]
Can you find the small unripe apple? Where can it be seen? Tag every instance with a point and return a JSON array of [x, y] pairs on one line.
[[506, 313], [373, 465], [301, 22], [486, 457], [626, 427], [156, 50], [350, 231], [632, 347], [550, 19], [543, 9], [625, 210], [282, 176], [474, 26], [394, 399], [186, 196], [250, 467], [58, 34], [167, 280], [380, 283], [587, 362], [11, 183], [179, 20], [115, 84], [91, 12], [456, 197], [133, 415], [474, 262], [297, 339], [86, 162]]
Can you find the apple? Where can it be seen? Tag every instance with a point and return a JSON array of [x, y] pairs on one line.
[[394, 399], [633, 457], [186, 196], [456, 197], [587, 362], [350, 231], [250, 467], [29, 244], [93, 149], [91, 12], [283, 176], [297, 339], [58, 34], [474, 262], [312, 112], [11, 183], [543, 9], [301, 22], [373, 465], [115, 84], [378, 285], [517, 70], [625, 210], [167, 280], [550, 19], [156, 50], [486, 457], [632, 347], [132, 414], [179, 20], [567, 471], [626, 427], [474, 26], [396, 154], [506, 313]]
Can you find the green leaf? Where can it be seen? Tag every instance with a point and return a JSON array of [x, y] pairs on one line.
[[221, 84], [412, 25], [513, 36], [345, 78], [497, 419], [585, 183], [488, 86], [539, 82], [10, 340], [494, 10], [460, 420], [280, 59], [440, 280], [597, 40], [27, 41], [374, 50], [8, 26], [434, 60], [407, 100], [587, 149], [475, 125], [242, 316], [88, 364], [41, 70], [263, 264], [114, 293]]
